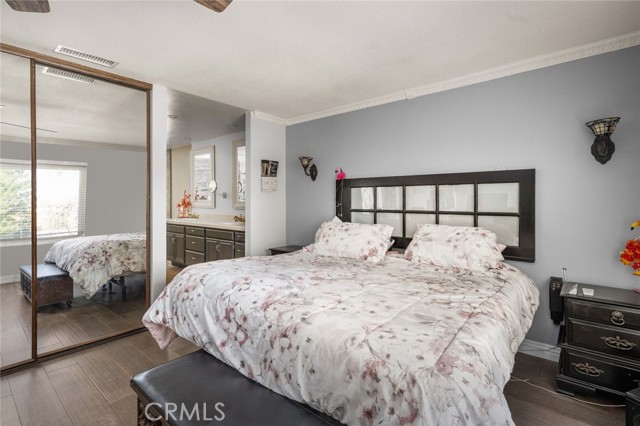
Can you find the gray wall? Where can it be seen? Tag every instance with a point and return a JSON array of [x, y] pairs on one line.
[[530, 120], [116, 193]]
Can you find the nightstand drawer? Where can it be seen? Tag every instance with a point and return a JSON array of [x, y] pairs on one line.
[[611, 340], [616, 316], [599, 371], [195, 244]]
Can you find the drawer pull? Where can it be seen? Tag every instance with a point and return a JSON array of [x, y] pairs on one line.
[[586, 369], [194, 258], [617, 318], [618, 343], [193, 242]]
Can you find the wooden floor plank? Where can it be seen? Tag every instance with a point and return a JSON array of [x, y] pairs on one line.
[[128, 357], [86, 407], [111, 380], [149, 348], [36, 399], [8, 412], [127, 409], [5, 389], [58, 363]]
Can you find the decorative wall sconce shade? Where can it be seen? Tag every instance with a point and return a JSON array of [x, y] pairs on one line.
[[309, 169], [603, 147]]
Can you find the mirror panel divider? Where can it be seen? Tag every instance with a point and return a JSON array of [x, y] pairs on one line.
[[36, 58]]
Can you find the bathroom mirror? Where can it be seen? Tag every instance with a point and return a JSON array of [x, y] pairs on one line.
[[239, 174], [202, 173]]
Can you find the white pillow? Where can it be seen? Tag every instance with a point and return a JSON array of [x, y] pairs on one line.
[[353, 240], [455, 247]]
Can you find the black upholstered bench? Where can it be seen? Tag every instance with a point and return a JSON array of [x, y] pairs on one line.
[[54, 284], [198, 389]]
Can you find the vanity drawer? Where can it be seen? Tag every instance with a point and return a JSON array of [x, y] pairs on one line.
[[176, 229], [238, 236], [192, 257], [220, 234], [603, 338], [615, 316], [191, 230], [239, 250], [593, 369], [195, 243]]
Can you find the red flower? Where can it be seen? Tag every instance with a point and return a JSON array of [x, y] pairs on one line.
[[630, 256]]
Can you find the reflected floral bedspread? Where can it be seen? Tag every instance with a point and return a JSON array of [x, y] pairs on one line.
[[395, 343], [92, 261]]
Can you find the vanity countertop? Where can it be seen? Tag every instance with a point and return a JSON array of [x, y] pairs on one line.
[[231, 226]]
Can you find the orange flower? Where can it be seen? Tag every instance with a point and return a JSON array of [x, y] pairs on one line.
[[630, 256]]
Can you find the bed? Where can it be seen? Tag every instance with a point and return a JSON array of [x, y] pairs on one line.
[[97, 260], [368, 335]]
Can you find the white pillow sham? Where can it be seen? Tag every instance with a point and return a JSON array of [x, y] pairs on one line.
[[455, 247], [353, 240]]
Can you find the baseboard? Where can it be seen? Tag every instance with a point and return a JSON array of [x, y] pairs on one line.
[[540, 350], [6, 279]]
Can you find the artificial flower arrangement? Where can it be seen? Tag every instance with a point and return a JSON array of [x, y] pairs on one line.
[[184, 207], [630, 256]]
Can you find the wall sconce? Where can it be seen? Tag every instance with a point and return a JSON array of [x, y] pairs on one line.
[[603, 147], [309, 169]]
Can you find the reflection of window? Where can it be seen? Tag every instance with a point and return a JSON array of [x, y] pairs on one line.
[[61, 199]]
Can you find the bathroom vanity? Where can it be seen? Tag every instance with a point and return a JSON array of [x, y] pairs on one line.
[[192, 241]]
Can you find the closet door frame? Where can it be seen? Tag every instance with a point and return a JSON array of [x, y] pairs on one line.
[[35, 59]]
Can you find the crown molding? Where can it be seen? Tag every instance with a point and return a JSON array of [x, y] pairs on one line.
[[542, 61], [268, 117]]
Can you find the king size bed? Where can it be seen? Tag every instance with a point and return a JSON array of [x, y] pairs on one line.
[[367, 335]]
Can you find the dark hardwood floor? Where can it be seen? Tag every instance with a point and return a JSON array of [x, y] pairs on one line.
[[60, 326], [540, 405], [92, 387]]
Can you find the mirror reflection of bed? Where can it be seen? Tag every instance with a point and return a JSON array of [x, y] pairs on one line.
[[91, 181]]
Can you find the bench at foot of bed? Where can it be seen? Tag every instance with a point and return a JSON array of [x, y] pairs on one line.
[[199, 389], [54, 284]]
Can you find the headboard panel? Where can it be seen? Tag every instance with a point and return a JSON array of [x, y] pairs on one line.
[[501, 201]]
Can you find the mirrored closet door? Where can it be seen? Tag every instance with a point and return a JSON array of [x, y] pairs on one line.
[[91, 211], [16, 331], [74, 215]]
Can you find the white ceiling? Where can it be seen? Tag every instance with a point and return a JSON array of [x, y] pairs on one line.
[[297, 60]]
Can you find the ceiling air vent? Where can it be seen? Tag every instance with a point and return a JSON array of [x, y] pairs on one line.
[[85, 56], [67, 74]]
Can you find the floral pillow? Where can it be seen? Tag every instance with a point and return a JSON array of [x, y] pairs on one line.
[[353, 240], [455, 247]]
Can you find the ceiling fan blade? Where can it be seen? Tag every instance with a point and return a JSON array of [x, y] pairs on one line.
[[217, 5], [38, 6]]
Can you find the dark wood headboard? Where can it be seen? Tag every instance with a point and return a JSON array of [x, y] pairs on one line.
[[501, 201]]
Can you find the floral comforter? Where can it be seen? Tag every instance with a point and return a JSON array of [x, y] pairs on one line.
[[396, 343], [92, 261]]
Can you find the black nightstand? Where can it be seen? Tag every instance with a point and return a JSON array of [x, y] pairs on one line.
[[600, 340], [284, 249]]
